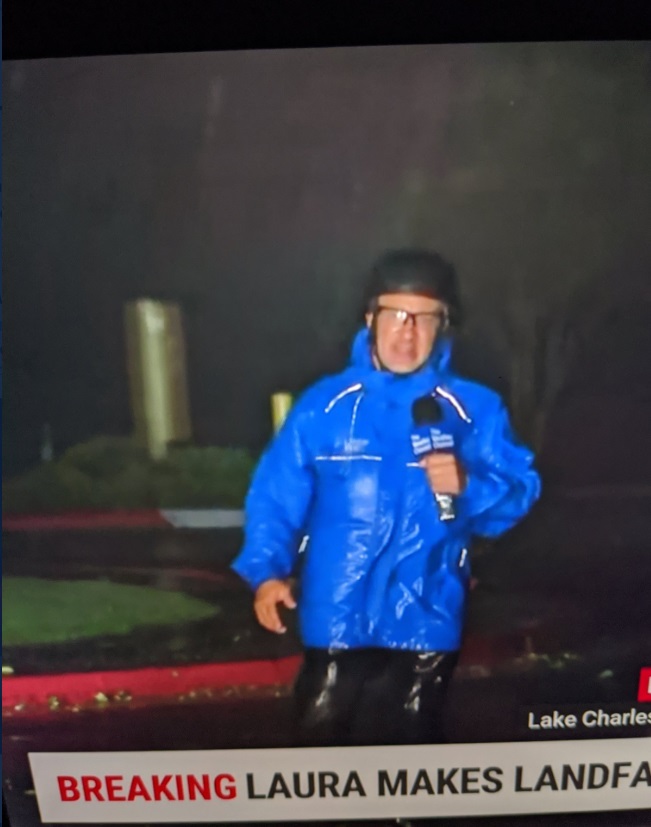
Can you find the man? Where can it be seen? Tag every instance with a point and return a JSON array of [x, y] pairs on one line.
[[340, 497]]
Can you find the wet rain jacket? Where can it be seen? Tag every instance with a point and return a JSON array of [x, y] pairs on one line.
[[339, 497]]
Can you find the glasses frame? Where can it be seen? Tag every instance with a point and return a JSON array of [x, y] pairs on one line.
[[440, 316]]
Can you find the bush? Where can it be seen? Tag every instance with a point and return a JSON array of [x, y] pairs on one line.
[[205, 476], [104, 456], [47, 488], [115, 472]]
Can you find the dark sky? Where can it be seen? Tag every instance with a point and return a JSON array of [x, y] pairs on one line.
[[255, 188]]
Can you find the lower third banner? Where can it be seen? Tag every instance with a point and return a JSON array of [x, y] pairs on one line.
[[356, 782]]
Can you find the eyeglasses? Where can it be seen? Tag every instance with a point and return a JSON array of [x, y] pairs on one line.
[[396, 319]]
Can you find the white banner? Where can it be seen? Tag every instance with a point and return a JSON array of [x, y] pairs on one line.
[[356, 782]]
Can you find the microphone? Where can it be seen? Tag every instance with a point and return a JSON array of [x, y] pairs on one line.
[[428, 439]]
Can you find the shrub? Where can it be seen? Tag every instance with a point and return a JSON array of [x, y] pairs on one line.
[[47, 488], [104, 456], [115, 472]]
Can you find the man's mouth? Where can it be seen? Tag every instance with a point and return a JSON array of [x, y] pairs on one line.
[[405, 352]]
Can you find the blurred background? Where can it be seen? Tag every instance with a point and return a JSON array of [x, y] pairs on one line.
[[254, 189]]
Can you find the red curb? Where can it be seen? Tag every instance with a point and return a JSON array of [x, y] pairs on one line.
[[81, 687], [152, 682], [142, 518]]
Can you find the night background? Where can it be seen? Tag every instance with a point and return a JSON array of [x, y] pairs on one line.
[[256, 188]]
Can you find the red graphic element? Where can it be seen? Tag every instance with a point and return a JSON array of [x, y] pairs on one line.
[[79, 688], [644, 689], [166, 788]]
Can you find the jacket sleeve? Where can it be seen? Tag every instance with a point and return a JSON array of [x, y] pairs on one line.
[[502, 484], [277, 504]]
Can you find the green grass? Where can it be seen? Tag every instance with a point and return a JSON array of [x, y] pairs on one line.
[[35, 610]]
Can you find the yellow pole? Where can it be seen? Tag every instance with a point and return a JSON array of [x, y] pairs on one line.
[[281, 404], [157, 374]]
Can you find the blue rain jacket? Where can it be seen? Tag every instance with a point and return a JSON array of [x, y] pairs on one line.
[[339, 499]]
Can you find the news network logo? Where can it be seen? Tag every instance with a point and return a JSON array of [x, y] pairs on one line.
[[432, 439]]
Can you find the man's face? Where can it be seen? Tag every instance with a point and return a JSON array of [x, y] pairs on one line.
[[406, 330]]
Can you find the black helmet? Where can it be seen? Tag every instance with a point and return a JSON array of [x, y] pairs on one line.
[[421, 272]]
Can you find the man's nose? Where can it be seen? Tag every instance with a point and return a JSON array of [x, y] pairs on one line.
[[409, 325]]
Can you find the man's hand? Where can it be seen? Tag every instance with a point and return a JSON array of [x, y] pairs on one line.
[[267, 597], [444, 473]]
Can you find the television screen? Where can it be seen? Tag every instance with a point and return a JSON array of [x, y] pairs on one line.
[[326, 448]]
